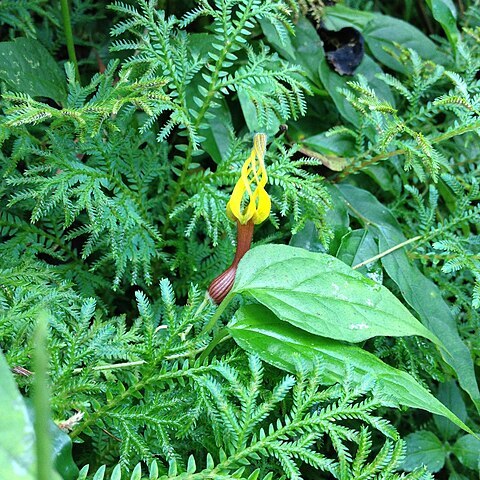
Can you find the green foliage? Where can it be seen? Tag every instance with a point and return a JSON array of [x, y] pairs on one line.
[[97, 172], [113, 187]]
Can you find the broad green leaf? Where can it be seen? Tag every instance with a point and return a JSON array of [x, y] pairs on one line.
[[218, 134], [384, 35], [282, 45], [17, 451], [322, 147], [334, 83], [449, 394], [457, 476], [254, 123], [308, 238], [256, 329], [320, 294], [418, 291], [445, 12], [61, 447], [467, 450], [336, 220], [357, 246], [424, 449], [304, 48], [339, 16], [384, 179], [337, 144], [27, 67]]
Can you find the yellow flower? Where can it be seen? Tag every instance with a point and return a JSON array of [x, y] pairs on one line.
[[252, 183]]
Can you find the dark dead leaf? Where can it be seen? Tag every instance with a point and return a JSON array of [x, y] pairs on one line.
[[344, 49]]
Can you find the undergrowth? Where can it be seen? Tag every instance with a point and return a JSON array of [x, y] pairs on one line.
[[113, 223]]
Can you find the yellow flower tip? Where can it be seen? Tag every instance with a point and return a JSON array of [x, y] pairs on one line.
[[251, 183]]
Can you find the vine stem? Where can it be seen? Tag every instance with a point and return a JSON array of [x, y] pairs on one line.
[[354, 168], [386, 252], [221, 308], [67, 28], [219, 336]]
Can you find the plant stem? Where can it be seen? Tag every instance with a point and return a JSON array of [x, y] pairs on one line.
[[219, 336], [221, 308], [111, 366], [67, 28], [41, 402], [386, 252]]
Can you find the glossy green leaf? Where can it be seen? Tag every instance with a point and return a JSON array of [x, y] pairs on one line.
[[357, 246], [282, 45], [418, 291], [308, 238], [424, 449], [336, 220], [256, 329], [334, 83], [445, 12], [218, 134], [342, 145], [340, 16], [320, 294], [386, 35], [304, 48], [449, 394], [61, 447], [254, 123], [17, 451], [457, 476], [27, 67], [467, 450]]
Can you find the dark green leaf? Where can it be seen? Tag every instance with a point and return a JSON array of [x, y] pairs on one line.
[[333, 83], [424, 449], [308, 238], [17, 451], [336, 144], [256, 329], [218, 135], [320, 294], [304, 48], [445, 12], [467, 450], [384, 34], [339, 16], [457, 476], [387, 34], [357, 247], [282, 45], [27, 67], [254, 123], [418, 291], [449, 394]]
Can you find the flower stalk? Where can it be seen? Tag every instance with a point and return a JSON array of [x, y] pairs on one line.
[[249, 205], [219, 288]]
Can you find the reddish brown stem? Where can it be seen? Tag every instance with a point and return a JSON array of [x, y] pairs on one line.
[[220, 287]]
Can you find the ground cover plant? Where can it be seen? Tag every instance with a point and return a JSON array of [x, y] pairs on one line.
[[239, 239]]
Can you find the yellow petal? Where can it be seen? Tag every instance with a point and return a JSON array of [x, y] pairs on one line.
[[251, 182], [263, 207]]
